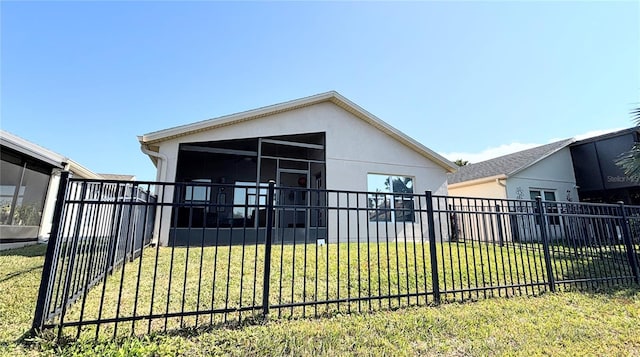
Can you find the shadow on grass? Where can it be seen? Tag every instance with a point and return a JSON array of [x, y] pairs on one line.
[[602, 269], [19, 273], [29, 251], [619, 291], [47, 340]]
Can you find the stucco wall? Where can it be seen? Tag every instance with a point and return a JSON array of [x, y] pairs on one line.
[[490, 189], [354, 148], [554, 173]]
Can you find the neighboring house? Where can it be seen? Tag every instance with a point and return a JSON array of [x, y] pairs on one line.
[[323, 141], [118, 177], [598, 177], [29, 180], [545, 171]]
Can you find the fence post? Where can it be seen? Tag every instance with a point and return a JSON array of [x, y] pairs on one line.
[[499, 219], [545, 244], [267, 248], [47, 278], [432, 248], [628, 243]]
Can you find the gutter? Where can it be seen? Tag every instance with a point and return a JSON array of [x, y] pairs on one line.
[[161, 162], [495, 178]]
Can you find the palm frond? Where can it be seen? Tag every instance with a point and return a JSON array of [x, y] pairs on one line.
[[630, 160], [630, 163], [635, 116]]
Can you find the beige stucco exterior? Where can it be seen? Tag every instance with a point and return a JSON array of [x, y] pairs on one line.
[[492, 187], [552, 173]]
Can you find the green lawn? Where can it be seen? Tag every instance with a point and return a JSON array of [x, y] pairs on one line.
[[568, 323], [340, 276]]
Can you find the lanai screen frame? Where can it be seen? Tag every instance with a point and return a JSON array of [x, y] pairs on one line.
[[269, 156]]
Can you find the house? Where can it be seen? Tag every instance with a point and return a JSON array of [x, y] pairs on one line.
[[324, 141], [598, 177], [29, 180], [545, 171]]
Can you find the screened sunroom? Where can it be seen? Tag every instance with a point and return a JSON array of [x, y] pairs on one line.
[[225, 184]]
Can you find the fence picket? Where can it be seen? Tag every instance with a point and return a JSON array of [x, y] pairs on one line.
[[324, 240]]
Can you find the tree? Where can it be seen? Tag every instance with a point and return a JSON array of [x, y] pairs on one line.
[[461, 162], [630, 160]]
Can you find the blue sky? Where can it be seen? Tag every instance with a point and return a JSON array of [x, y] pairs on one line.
[[467, 79]]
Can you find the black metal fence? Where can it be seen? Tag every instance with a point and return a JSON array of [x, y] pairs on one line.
[[227, 253]]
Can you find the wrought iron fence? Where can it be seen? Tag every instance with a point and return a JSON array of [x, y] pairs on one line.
[[227, 253]]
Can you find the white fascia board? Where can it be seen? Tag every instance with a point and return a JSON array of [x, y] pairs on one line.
[[30, 149], [331, 96], [82, 171], [208, 124], [477, 181]]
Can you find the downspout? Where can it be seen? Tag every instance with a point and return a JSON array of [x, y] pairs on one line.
[[162, 162], [160, 176], [500, 183]]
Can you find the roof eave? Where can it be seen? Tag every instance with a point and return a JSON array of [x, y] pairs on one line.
[[82, 171], [28, 148], [478, 181], [209, 124], [332, 96]]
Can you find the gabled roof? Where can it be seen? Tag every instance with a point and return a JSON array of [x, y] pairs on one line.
[[332, 97], [507, 165]]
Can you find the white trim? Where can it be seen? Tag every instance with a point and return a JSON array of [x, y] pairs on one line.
[[332, 96], [477, 181], [210, 150], [30, 149], [294, 143], [81, 171], [38, 152]]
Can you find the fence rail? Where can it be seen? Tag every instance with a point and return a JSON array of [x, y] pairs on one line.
[[124, 261]]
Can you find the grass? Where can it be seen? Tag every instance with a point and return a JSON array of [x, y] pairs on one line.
[[231, 277], [569, 323]]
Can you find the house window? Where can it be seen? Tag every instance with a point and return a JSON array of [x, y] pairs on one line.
[[390, 198], [246, 197], [552, 208], [198, 193]]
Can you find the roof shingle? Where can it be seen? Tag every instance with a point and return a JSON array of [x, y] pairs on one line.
[[507, 164]]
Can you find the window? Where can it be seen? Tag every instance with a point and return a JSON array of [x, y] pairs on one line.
[[390, 198], [245, 198], [198, 193], [23, 188], [551, 208]]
